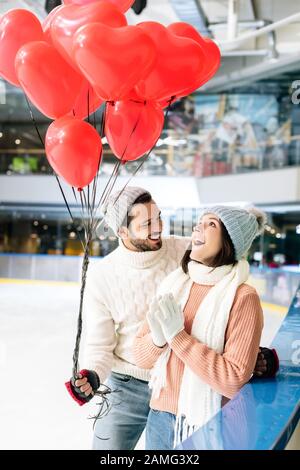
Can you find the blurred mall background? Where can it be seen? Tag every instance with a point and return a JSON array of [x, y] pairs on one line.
[[235, 141]]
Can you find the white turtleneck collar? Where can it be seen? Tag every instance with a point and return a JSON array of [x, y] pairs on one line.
[[140, 259]]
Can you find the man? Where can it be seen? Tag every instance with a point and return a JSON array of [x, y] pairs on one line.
[[119, 290]]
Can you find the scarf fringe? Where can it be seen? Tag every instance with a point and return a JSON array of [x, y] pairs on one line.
[[158, 376], [182, 430]]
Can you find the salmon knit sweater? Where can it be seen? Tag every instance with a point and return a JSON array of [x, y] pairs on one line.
[[226, 373]]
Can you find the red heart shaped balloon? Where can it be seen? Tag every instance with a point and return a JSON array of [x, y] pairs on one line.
[[87, 101], [48, 22], [17, 27], [113, 59], [71, 17], [209, 47], [180, 65], [47, 79], [123, 5], [73, 149], [133, 128]]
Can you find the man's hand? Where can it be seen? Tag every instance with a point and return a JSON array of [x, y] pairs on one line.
[[83, 388], [261, 364], [267, 363]]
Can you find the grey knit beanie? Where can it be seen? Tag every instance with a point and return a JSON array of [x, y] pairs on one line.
[[242, 225], [119, 204]]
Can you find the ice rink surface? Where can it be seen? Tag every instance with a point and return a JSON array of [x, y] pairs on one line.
[[37, 336]]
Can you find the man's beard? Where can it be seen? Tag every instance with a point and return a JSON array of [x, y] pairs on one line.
[[145, 245]]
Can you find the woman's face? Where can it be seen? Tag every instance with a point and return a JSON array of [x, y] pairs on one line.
[[206, 239]]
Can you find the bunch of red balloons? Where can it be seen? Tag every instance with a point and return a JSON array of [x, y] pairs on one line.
[[85, 54]]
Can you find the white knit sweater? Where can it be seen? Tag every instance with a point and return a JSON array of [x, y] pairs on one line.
[[119, 289]]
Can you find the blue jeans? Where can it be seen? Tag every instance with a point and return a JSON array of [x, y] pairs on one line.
[[160, 430], [124, 424]]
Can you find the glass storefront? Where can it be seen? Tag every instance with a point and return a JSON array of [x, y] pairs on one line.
[[250, 129]]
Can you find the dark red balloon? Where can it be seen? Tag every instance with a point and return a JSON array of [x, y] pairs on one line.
[[133, 128], [73, 149]]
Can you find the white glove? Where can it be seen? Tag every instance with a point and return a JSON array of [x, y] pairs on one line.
[[158, 337], [170, 316]]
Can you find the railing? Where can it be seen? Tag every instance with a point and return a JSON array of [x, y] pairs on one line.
[[273, 285], [40, 267], [277, 286], [172, 161], [265, 413]]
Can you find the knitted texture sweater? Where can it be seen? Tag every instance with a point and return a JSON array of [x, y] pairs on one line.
[[226, 373], [119, 290]]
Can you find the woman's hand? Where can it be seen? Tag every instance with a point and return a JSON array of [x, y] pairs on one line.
[[158, 337], [170, 316]]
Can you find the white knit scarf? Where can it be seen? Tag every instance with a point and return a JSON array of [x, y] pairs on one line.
[[198, 402]]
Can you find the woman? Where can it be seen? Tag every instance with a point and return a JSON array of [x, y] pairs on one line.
[[203, 331]]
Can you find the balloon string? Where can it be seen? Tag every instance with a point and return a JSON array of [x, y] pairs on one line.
[[85, 264], [89, 234], [109, 186], [95, 182], [88, 119], [147, 155], [81, 208]]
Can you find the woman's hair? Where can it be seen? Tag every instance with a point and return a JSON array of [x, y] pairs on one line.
[[225, 256]]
